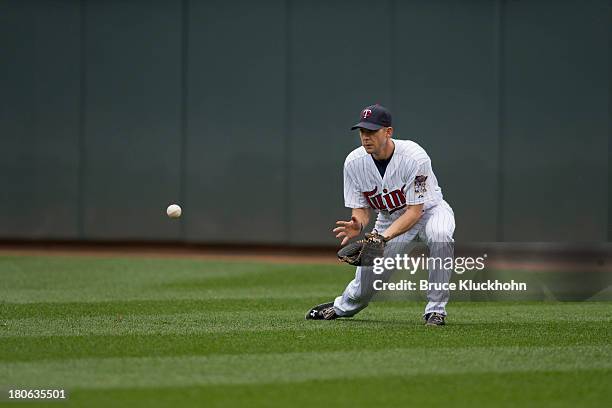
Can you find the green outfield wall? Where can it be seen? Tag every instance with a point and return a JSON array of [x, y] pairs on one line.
[[240, 111]]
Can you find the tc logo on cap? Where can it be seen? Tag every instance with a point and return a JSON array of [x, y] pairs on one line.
[[366, 113]]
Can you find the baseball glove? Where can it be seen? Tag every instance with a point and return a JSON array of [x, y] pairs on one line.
[[363, 252]]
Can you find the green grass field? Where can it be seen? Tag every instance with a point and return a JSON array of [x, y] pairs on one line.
[[155, 332]]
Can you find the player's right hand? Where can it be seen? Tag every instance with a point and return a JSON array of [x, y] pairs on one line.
[[347, 229]]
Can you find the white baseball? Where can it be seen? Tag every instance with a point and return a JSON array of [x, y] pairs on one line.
[[174, 211]]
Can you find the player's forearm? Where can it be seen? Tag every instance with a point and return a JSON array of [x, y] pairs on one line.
[[362, 215], [405, 222]]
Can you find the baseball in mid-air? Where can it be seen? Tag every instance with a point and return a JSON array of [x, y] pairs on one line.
[[174, 211]]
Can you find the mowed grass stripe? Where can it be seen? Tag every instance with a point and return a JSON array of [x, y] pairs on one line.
[[500, 390], [269, 319], [59, 279], [44, 272], [296, 367], [356, 335], [144, 307], [187, 323], [59, 295], [459, 311]]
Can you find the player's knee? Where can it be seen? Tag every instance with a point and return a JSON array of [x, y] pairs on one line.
[[361, 295]]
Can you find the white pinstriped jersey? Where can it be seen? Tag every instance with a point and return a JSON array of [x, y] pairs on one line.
[[408, 180]]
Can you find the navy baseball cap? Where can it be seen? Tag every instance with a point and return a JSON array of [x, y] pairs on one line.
[[373, 117]]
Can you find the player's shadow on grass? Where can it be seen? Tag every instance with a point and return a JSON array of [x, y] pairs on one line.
[[361, 321], [413, 322]]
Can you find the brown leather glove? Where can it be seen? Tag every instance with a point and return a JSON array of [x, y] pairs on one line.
[[364, 251]]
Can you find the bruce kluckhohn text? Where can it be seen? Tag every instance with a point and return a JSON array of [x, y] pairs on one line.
[[462, 285]]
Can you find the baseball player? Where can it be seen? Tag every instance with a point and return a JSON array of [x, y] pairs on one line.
[[394, 178]]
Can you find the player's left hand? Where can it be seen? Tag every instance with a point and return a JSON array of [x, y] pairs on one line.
[[347, 230]]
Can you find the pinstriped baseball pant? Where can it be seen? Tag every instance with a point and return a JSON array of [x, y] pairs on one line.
[[435, 227]]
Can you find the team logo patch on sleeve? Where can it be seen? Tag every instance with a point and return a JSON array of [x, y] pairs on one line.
[[420, 186]]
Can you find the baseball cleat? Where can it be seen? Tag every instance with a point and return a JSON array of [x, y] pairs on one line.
[[434, 319], [324, 311]]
